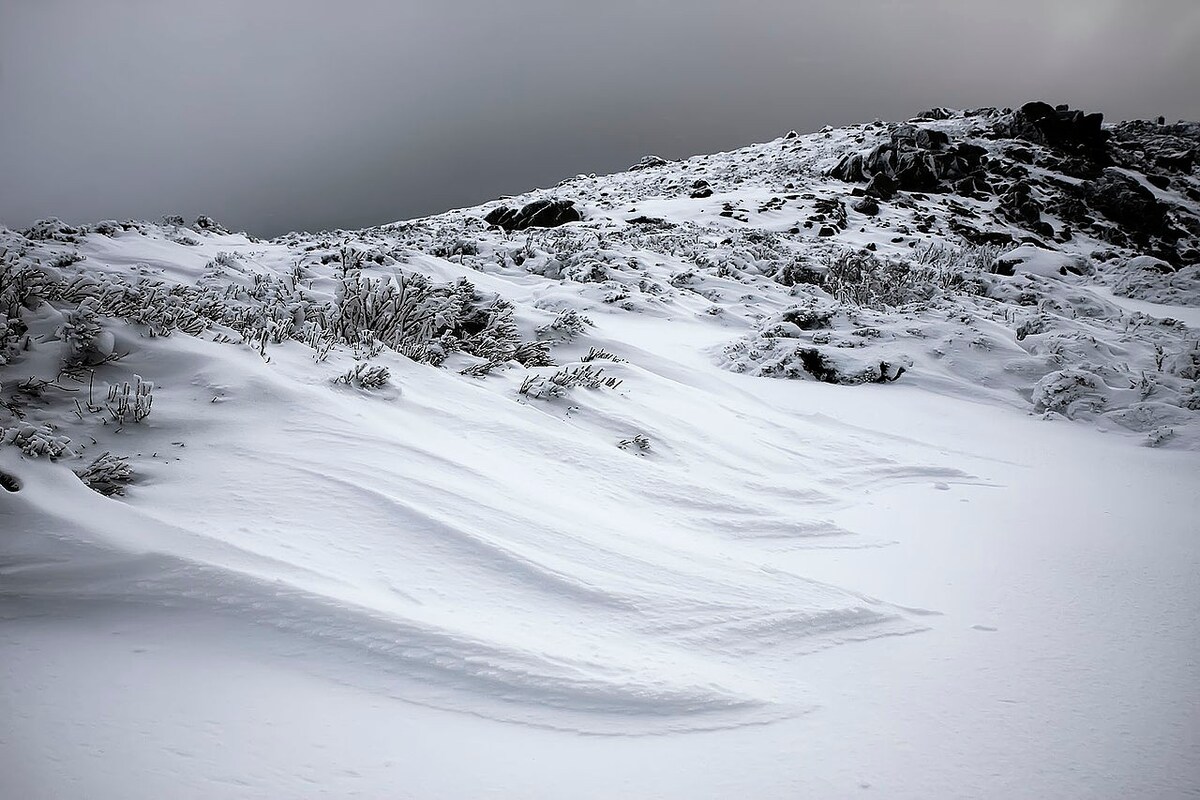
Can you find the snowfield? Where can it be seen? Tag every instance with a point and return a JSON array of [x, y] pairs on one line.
[[684, 498]]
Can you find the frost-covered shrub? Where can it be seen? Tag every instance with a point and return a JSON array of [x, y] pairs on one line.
[[587, 272], [160, 307], [410, 314], [395, 311], [107, 474], [207, 223], [53, 229], [1070, 392], [814, 316], [79, 331], [600, 353], [66, 260], [365, 376], [946, 258], [36, 441], [533, 354], [21, 287], [862, 278], [459, 247], [13, 337], [227, 260], [639, 440], [130, 402], [564, 327], [556, 385], [797, 271], [779, 357]]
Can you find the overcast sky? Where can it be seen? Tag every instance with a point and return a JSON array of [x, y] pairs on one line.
[[277, 115]]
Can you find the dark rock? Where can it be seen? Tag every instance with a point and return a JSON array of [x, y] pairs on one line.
[[881, 186], [1018, 205], [971, 155], [1161, 181], [1022, 154], [1059, 128], [538, 214], [972, 184], [868, 206], [649, 162], [826, 230], [849, 169], [928, 139], [913, 159], [1005, 267], [937, 113], [978, 237], [916, 172], [823, 369], [206, 223], [1126, 202], [653, 222], [1179, 161]]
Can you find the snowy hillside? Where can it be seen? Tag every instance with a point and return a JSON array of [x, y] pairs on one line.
[[860, 460]]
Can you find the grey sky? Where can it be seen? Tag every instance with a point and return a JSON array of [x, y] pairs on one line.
[[276, 115]]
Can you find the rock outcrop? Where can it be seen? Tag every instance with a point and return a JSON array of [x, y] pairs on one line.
[[538, 214], [915, 160]]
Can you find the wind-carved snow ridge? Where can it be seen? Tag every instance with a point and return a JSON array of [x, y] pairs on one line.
[[542, 474]]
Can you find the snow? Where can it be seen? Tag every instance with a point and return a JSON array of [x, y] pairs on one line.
[[929, 586]]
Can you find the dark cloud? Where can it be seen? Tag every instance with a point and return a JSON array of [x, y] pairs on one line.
[[274, 115]]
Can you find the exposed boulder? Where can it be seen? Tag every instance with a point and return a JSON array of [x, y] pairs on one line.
[[649, 162], [538, 214], [1126, 202], [208, 224], [914, 159], [867, 205], [881, 186], [849, 168], [1059, 128], [931, 139], [936, 113], [1018, 204], [1148, 147]]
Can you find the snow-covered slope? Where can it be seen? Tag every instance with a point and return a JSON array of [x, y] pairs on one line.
[[371, 506]]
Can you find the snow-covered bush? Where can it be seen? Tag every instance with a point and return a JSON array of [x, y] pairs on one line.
[[533, 354], [36, 441], [556, 385], [53, 229], [107, 474], [21, 287], [208, 224], [638, 440], [862, 278], [784, 357], [599, 353], [396, 311], [365, 376], [564, 327], [1070, 392], [81, 332], [130, 402]]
